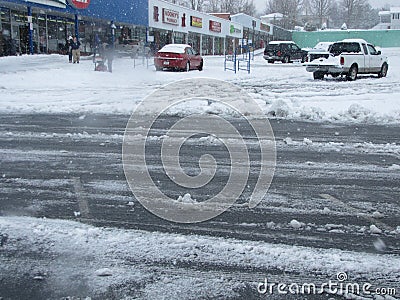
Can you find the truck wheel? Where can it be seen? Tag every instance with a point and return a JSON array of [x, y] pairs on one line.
[[318, 75], [352, 73], [383, 71]]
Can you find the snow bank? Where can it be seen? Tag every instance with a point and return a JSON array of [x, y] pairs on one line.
[[49, 84], [118, 245]]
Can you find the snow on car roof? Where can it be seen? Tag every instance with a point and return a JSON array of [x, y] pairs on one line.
[[280, 42], [354, 41], [323, 45], [174, 48]]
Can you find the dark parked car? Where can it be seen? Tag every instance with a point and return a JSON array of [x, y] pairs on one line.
[[284, 51], [178, 57]]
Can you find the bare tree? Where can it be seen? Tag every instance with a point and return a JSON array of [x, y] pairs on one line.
[[289, 8], [212, 6], [352, 11], [196, 4], [321, 8], [228, 6], [249, 8]]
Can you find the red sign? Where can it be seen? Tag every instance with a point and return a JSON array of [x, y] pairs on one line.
[[170, 16], [79, 4], [215, 26]]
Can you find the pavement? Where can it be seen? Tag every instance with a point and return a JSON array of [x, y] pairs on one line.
[[335, 179]]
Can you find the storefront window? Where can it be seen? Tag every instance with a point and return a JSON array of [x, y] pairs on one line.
[[179, 38], [219, 46], [194, 41], [7, 46], [57, 34], [41, 21], [207, 46]]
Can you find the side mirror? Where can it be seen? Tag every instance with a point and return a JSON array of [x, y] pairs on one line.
[[379, 52], [197, 53]]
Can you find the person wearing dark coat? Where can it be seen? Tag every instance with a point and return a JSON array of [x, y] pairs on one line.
[[76, 53], [70, 41]]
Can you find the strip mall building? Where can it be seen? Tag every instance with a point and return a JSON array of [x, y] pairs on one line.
[[43, 26]]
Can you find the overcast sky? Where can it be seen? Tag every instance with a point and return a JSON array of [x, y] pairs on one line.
[[260, 4]]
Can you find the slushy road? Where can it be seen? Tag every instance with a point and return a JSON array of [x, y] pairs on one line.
[[335, 180]]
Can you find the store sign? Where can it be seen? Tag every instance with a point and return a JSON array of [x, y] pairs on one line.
[[265, 27], [196, 22], [79, 4], [233, 29], [54, 3], [215, 26], [170, 16]]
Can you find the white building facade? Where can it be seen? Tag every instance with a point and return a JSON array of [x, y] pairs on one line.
[[389, 19], [395, 18], [255, 31], [207, 34]]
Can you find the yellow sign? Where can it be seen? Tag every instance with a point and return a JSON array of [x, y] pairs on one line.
[[196, 22]]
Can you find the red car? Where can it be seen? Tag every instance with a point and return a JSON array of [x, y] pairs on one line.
[[178, 57]]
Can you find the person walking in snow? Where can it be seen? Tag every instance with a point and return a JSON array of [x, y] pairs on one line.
[[76, 52], [70, 41]]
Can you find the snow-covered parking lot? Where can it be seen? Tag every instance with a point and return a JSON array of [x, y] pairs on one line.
[[70, 228], [282, 90]]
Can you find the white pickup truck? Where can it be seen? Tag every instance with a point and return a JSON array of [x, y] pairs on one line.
[[349, 57]]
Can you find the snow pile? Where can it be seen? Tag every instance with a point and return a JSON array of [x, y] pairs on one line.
[[374, 229], [118, 245], [296, 224], [380, 245], [187, 198], [394, 167], [48, 84]]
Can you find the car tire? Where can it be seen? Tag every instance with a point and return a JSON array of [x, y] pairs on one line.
[[383, 71], [318, 75], [271, 61], [286, 60], [201, 66], [187, 68], [352, 75]]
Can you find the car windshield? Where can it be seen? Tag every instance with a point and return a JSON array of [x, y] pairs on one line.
[[339, 48]]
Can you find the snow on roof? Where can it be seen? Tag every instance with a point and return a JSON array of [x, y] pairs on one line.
[[395, 9], [174, 48], [384, 13], [273, 15], [280, 42]]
